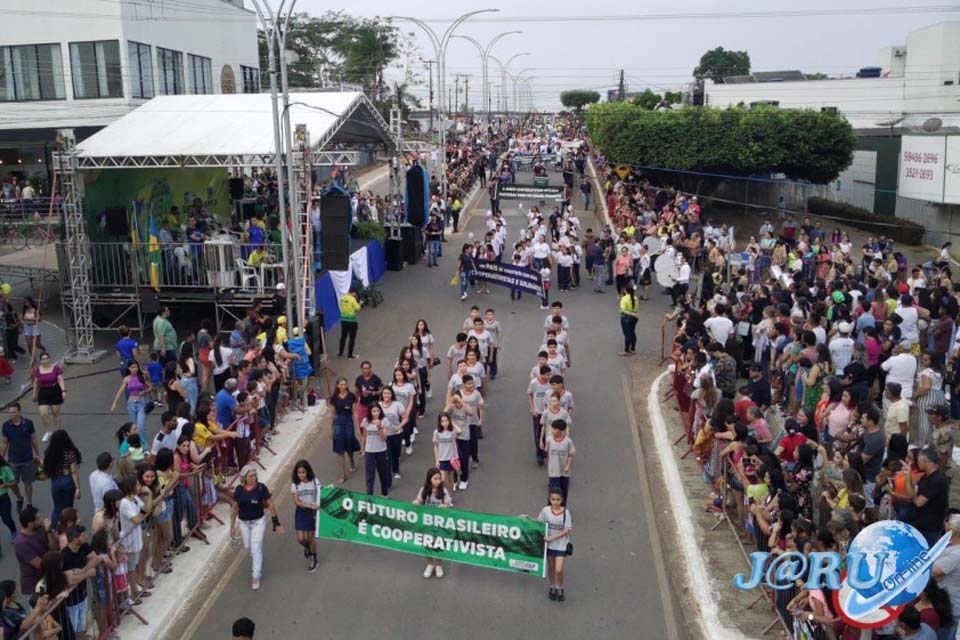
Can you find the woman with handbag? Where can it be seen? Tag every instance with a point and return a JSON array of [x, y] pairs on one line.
[[435, 494], [559, 527]]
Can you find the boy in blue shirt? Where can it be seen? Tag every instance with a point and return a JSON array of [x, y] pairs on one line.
[[155, 369], [126, 350]]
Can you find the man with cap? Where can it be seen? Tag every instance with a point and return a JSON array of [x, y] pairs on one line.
[[841, 346], [434, 231], [280, 299]]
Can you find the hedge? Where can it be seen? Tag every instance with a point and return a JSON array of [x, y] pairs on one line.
[[900, 230]]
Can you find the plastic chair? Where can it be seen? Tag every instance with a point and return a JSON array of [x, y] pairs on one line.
[[248, 274]]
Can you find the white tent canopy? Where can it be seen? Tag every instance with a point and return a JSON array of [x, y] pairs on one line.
[[229, 130]]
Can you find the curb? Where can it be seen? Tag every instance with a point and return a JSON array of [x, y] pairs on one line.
[[199, 571], [698, 578]]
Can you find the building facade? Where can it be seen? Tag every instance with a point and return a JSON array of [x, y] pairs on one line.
[[84, 63], [913, 89]]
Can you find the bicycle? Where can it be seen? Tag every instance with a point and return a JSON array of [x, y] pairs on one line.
[[11, 234], [39, 235]]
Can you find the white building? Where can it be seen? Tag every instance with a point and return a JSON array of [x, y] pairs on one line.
[[84, 63], [914, 88]]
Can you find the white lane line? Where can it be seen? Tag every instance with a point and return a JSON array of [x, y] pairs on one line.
[[656, 546], [698, 579]]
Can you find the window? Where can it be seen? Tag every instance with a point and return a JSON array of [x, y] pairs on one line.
[[31, 72], [828, 109], [251, 79], [201, 76], [141, 70], [95, 67], [169, 71]]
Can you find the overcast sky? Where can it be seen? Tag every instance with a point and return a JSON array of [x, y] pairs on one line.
[[655, 53]]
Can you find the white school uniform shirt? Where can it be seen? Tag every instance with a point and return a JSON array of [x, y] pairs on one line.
[[577, 254], [540, 249], [564, 260], [483, 340], [635, 250], [545, 274], [564, 325]]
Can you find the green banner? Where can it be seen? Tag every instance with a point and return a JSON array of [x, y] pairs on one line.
[[508, 543]]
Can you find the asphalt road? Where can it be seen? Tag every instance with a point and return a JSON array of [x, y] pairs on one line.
[[616, 587]]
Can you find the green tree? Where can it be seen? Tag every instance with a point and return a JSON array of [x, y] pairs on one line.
[[803, 144], [366, 47], [312, 39], [720, 62], [577, 99], [648, 100]]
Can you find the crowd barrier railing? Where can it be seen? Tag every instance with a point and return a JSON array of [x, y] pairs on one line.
[[734, 509]]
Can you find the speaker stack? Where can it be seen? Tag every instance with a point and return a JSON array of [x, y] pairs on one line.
[[116, 222], [412, 240], [394, 251], [335, 218], [417, 201]]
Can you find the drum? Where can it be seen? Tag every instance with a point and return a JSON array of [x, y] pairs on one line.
[[667, 272]]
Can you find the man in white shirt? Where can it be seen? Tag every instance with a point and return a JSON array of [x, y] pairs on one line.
[[841, 347], [901, 368], [541, 250], [682, 281], [719, 327], [100, 480], [910, 317]]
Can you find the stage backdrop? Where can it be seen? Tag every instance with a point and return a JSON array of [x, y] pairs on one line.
[[158, 189]]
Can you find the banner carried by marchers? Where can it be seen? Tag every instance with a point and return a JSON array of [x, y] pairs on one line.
[[511, 276], [508, 543]]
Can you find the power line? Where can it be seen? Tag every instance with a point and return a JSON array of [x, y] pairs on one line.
[[724, 15]]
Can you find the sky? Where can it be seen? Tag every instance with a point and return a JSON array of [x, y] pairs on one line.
[[661, 53]]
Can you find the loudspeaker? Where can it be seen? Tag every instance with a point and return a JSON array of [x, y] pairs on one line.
[[416, 196], [236, 188], [412, 240], [246, 208], [394, 250], [315, 340], [335, 231], [117, 224]]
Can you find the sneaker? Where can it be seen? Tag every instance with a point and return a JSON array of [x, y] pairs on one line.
[[396, 476], [476, 464], [255, 585], [409, 451], [416, 431], [428, 572], [429, 394], [553, 593], [462, 485], [542, 307], [463, 297], [355, 356], [46, 437], [560, 596], [313, 564], [413, 436], [438, 570]]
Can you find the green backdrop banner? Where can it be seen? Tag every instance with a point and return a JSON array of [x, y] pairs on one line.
[[508, 543], [157, 190]]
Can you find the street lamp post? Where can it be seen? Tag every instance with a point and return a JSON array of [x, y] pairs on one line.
[[439, 44], [517, 81], [485, 60], [503, 75]]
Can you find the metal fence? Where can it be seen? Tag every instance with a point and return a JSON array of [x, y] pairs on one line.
[[210, 264], [743, 525]]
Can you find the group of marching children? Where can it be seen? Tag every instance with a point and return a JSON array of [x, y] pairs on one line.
[[551, 410]]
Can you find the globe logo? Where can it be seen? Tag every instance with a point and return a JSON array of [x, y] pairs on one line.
[[888, 565]]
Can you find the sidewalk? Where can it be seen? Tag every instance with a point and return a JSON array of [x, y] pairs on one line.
[[196, 574]]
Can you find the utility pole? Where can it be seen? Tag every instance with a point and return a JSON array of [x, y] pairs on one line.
[[621, 88], [430, 64], [456, 95], [466, 94], [449, 97]]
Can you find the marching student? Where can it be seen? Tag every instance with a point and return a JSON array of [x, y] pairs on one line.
[[456, 352], [566, 396], [429, 344], [537, 393], [545, 276], [435, 494], [306, 497], [559, 450], [405, 393], [485, 341], [552, 413], [556, 311], [460, 414], [541, 362], [472, 398], [445, 454], [476, 369], [559, 527], [374, 431], [395, 417], [492, 325]]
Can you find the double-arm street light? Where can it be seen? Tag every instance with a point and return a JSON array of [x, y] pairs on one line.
[[518, 80], [503, 75], [485, 61], [439, 43]]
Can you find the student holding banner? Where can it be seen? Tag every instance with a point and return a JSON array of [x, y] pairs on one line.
[[435, 494], [373, 444]]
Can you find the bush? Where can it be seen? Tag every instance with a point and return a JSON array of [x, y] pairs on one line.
[[369, 230], [904, 231]]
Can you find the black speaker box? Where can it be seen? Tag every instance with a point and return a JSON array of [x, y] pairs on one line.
[[412, 240], [394, 251], [416, 206], [117, 224], [315, 339], [335, 232], [236, 188]]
